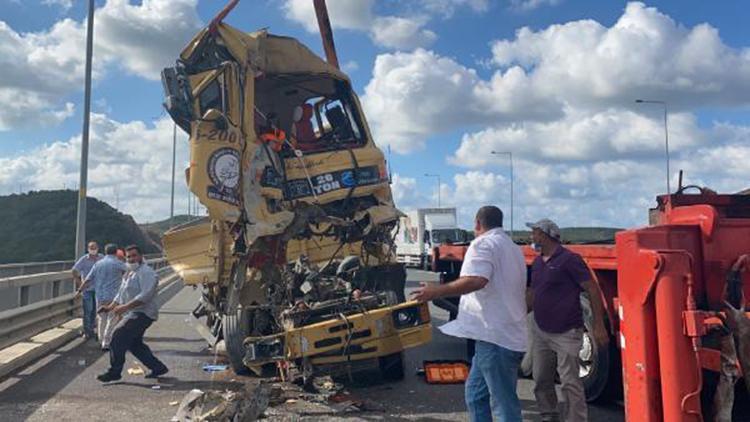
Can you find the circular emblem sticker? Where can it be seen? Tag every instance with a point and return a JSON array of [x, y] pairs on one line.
[[224, 168]]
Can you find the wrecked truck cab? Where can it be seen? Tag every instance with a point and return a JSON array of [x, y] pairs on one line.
[[298, 237]]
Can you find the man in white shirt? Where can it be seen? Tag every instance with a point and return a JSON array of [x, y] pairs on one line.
[[492, 311]]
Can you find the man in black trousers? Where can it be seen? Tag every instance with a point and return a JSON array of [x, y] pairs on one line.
[[136, 304]]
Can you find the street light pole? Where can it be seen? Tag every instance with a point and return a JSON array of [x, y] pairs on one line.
[[510, 156], [439, 184], [81, 221], [174, 158], [666, 134]]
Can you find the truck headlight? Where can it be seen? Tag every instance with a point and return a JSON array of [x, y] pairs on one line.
[[411, 316]]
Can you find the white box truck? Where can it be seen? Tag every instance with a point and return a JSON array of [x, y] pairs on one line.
[[422, 229]]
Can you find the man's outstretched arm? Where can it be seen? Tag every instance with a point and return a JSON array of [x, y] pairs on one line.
[[461, 286]]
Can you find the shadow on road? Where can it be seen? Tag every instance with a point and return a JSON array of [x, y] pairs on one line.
[[41, 380]]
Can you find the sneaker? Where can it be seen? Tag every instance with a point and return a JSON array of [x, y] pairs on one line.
[[157, 373], [108, 377]]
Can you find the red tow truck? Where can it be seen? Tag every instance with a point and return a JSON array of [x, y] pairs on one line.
[[663, 287]]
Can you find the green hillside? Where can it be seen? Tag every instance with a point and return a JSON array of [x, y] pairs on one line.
[[157, 228], [41, 226]]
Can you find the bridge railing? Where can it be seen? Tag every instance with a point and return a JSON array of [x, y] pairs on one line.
[[56, 305], [26, 268]]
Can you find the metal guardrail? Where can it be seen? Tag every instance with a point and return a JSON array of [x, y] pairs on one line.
[[27, 268], [26, 321]]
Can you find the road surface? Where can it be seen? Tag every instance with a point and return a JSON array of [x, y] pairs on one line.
[[62, 387]]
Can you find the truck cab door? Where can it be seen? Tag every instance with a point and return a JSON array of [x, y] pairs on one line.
[[216, 142]]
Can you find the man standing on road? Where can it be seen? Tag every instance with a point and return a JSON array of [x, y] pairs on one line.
[[81, 270], [106, 277], [558, 277], [492, 311], [136, 304]]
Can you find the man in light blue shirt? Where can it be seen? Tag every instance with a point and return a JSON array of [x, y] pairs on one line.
[[136, 304], [106, 277], [81, 270]]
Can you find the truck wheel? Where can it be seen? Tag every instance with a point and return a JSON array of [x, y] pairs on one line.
[[596, 361], [236, 321], [235, 329], [392, 366]]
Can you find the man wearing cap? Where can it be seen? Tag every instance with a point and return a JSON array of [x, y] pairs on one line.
[[558, 277], [492, 311]]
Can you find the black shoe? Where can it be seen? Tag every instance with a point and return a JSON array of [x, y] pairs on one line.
[[108, 377], [157, 373]]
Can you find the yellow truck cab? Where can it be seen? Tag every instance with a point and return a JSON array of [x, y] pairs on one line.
[[296, 257]]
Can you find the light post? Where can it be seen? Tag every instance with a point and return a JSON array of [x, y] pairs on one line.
[[510, 156], [81, 220], [666, 133], [439, 184], [174, 158]]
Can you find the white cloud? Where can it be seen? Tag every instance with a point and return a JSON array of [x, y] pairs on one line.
[[65, 5], [401, 33], [343, 14], [645, 54], [526, 5], [580, 136], [397, 32], [350, 66], [145, 37], [412, 96], [133, 157], [40, 69], [579, 69], [447, 8]]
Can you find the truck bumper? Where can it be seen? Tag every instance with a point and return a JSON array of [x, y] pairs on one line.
[[361, 336]]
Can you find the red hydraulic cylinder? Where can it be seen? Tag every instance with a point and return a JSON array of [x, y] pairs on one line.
[[679, 364]]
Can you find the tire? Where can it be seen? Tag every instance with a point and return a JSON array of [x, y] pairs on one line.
[[596, 361], [235, 329], [392, 366], [599, 365], [236, 324]]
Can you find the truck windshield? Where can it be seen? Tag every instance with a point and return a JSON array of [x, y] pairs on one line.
[[324, 123], [440, 236]]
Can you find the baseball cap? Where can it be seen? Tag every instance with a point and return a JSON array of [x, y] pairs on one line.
[[547, 226]]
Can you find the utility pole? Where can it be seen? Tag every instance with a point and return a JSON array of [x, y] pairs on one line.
[[174, 158], [510, 155], [666, 134], [81, 222], [439, 185]]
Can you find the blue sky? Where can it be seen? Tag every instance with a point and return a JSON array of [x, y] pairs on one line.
[[443, 83]]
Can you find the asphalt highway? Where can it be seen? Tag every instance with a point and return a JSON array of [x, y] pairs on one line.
[[63, 387]]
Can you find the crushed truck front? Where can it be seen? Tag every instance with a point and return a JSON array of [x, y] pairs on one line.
[[298, 237]]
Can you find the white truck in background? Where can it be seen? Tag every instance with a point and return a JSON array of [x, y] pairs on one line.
[[422, 229]]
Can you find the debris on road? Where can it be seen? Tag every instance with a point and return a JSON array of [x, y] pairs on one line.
[[137, 370], [215, 368], [246, 405], [273, 399]]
